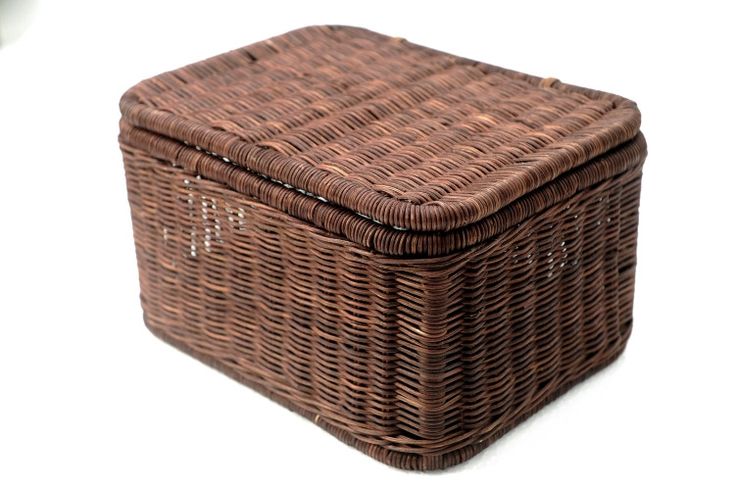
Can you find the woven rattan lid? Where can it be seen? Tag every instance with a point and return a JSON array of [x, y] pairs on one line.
[[395, 133]]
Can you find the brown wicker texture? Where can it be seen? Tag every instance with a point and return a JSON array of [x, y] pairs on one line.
[[415, 250]]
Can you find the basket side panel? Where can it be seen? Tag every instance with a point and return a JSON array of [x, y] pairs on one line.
[[511, 324], [303, 316]]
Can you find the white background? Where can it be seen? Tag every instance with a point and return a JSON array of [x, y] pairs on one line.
[[90, 399]]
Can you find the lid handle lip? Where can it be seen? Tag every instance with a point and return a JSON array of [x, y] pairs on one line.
[[549, 82]]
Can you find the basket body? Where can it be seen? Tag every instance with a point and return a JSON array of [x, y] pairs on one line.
[[420, 357], [419, 362]]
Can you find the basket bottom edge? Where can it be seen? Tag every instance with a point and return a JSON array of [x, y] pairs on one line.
[[396, 459]]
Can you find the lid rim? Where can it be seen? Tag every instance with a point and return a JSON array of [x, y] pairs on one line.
[[376, 237]]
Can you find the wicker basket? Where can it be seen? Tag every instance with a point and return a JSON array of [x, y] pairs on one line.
[[414, 250]]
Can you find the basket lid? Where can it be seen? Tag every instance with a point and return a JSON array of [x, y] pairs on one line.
[[402, 135]]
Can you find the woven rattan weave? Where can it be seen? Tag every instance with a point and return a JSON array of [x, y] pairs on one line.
[[415, 250]]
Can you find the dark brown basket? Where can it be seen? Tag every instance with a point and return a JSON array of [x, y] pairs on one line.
[[414, 250]]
